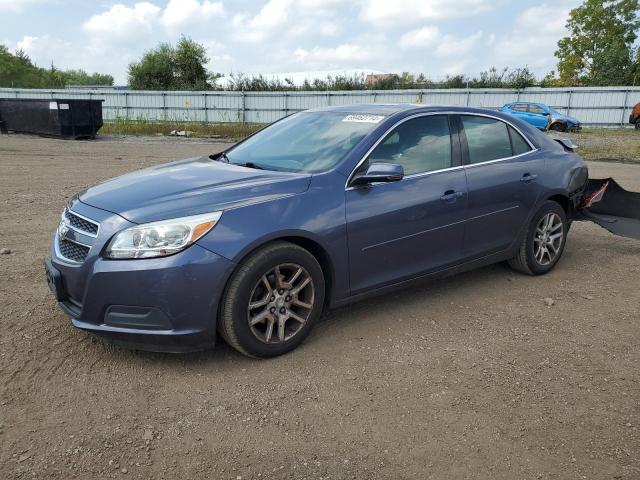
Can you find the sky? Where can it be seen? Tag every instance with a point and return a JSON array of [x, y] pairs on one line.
[[434, 37]]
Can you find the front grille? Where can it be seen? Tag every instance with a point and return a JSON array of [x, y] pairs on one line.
[[81, 224], [73, 251]]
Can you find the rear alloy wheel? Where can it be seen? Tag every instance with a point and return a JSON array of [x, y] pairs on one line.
[[272, 300], [544, 241]]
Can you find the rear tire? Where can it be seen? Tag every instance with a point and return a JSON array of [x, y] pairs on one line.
[[544, 241], [272, 301]]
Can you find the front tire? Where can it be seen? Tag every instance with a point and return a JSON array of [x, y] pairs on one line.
[[272, 301], [544, 241], [638, 124], [559, 127]]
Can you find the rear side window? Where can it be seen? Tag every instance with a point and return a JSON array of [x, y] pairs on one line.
[[518, 143], [420, 145], [488, 139]]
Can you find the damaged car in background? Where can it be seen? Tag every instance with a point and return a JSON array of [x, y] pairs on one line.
[[319, 209], [542, 116]]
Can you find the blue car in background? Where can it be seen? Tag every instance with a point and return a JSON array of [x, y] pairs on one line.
[[542, 116]]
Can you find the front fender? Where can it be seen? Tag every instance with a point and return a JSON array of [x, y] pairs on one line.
[[317, 215]]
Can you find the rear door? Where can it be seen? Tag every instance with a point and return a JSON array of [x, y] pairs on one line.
[[502, 168], [403, 229]]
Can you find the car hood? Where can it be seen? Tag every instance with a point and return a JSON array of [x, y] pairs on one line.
[[190, 187]]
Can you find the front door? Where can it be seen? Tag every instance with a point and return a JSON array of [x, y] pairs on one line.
[[416, 225]]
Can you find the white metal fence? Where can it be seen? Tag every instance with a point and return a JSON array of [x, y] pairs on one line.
[[605, 106]]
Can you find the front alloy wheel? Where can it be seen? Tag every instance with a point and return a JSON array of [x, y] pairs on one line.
[[272, 300], [281, 303]]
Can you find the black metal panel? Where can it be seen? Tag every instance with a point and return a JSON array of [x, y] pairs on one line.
[[65, 118]]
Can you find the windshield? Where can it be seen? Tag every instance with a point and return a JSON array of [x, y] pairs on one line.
[[305, 142]]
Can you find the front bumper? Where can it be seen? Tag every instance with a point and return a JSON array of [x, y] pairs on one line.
[[159, 304]]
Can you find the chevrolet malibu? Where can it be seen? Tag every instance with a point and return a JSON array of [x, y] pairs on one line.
[[317, 210]]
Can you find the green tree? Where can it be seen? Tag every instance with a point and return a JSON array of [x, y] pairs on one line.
[[18, 71], [171, 68], [190, 60], [600, 47], [155, 70]]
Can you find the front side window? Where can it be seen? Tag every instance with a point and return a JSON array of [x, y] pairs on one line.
[[520, 108], [420, 145], [305, 142]]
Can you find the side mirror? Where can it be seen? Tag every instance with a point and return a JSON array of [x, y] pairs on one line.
[[379, 173]]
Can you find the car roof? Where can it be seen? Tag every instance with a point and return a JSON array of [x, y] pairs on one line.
[[389, 109]]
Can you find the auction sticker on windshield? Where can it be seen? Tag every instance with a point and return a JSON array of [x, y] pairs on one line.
[[363, 118]]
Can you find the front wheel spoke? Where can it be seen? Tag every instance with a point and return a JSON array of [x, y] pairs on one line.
[[267, 285], [269, 333], [279, 281], [289, 283], [296, 317], [301, 286], [259, 303], [540, 254], [261, 317], [552, 249], [300, 303], [282, 322]]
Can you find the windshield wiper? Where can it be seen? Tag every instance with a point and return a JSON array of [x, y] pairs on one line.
[[250, 165]]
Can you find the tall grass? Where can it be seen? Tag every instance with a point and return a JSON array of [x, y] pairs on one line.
[[231, 131]]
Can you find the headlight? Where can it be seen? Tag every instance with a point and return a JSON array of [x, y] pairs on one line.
[[159, 239]]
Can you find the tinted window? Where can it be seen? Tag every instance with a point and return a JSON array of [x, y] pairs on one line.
[[488, 138], [420, 145], [520, 108], [518, 143], [305, 142]]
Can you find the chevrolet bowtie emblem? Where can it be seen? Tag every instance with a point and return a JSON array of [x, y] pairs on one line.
[[63, 228]]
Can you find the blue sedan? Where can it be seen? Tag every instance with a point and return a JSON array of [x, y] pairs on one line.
[[542, 116], [319, 209]]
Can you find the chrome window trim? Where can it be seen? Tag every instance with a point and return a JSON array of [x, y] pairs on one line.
[[83, 232], [422, 174]]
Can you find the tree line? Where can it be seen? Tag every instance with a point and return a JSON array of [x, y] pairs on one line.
[[18, 71], [600, 50]]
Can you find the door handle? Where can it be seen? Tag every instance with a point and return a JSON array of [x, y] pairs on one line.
[[451, 196], [528, 178]]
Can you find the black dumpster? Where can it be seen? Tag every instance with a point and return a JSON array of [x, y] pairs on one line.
[[59, 118]]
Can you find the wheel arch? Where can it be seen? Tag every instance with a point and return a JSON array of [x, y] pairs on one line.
[[313, 246]]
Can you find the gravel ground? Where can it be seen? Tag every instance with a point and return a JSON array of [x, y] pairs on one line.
[[608, 145], [487, 375]]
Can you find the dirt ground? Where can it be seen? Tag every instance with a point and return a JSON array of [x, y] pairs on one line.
[[472, 377]]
